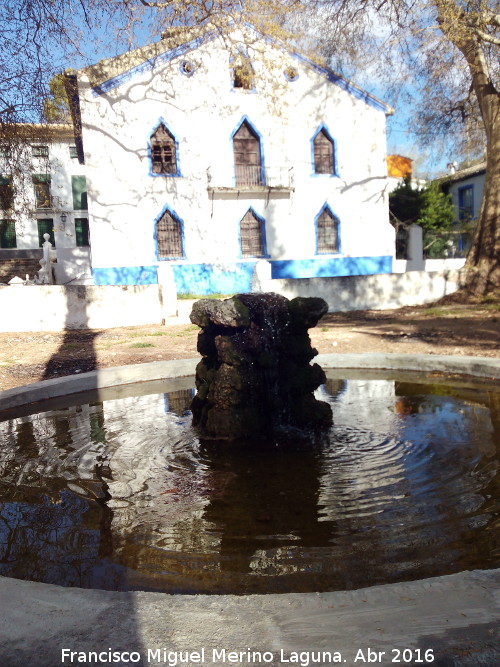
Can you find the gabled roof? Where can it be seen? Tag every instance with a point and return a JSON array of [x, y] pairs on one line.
[[111, 72], [46, 132], [463, 174], [174, 41]]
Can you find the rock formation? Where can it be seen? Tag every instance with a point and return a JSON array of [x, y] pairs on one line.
[[255, 377]]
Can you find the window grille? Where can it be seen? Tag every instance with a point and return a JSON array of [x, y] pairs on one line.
[[8, 234], [251, 236], [169, 236], [247, 158], [41, 184], [327, 232], [40, 151], [323, 154], [73, 151], [163, 154], [6, 193]]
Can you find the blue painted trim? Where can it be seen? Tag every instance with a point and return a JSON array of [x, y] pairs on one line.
[[149, 64], [323, 128], [185, 64], [125, 275], [344, 84], [331, 267], [203, 279], [174, 215], [236, 277], [289, 78], [263, 239], [177, 174], [258, 135], [337, 222], [332, 76]]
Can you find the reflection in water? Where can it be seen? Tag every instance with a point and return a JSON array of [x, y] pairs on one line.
[[121, 495]]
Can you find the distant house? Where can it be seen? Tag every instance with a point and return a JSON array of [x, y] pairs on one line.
[[466, 188], [43, 191], [399, 166]]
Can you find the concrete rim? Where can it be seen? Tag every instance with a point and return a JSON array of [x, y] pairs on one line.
[[454, 616], [479, 367]]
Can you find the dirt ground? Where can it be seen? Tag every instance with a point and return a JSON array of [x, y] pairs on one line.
[[454, 328]]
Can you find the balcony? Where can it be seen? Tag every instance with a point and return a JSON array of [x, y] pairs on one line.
[[248, 178]]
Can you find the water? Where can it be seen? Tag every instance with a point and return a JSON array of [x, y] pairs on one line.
[[119, 494]]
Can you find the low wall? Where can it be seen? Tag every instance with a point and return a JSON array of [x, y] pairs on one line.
[[378, 292], [403, 265], [59, 307]]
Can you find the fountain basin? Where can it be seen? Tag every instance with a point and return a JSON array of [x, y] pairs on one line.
[[453, 615]]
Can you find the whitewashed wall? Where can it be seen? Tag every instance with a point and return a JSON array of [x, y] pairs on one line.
[[60, 307], [57, 307]]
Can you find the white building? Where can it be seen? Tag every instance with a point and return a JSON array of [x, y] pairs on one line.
[[43, 190], [208, 158]]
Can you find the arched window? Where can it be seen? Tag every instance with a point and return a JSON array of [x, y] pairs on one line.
[[327, 232], [163, 151], [324, 158], [252, 235], [247, 156], [169, 236]]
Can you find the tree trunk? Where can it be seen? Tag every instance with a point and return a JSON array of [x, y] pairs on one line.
[[483, 260]]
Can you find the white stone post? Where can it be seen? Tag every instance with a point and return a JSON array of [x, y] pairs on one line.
[[415, 260], [261, 278], [167, 290]]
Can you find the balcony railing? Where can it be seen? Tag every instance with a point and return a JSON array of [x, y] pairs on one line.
[[248, 177]]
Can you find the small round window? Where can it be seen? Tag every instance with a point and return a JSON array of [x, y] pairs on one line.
[[187, 68], [291, 74]]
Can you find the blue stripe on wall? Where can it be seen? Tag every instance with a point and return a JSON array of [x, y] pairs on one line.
[[330, 267], [125, 275], [211, 278], [205, 279]]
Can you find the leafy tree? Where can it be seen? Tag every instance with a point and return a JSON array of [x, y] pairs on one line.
[[405, 203], [428, 207], [436, 210], [56, 105]]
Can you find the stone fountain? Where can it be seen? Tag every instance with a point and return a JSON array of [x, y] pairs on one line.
[[255, 378]]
